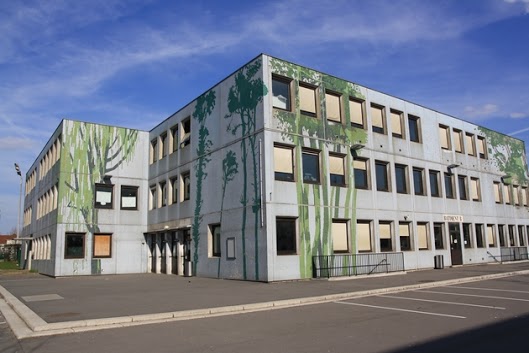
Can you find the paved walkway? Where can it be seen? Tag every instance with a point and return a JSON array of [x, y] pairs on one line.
[[37, 305]]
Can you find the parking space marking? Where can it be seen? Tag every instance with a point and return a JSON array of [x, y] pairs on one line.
[[405, 310], [444, 302], [475, 295], [493, 289]]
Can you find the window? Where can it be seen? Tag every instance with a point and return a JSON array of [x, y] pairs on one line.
[[214, 231], [103, 197], [129, 197], [438, 235], [281, 93], [153, 198], [283, 163], [337, 171], [474, 189], [470, 144], [174, 138], [520, 236], [154, 151], [515, 195], [524, 196], [482, 147], [186, 186], [444, 137], [458, 140], [511, 235], [333, 107], [307, 100], [163, 193], [404, 236], [507, 194], [311, 166], [286, 236], [102, 245], [74, 246], [384, 229], [414, 128], [356, 110], [363, 235], [377, 118], [491, 239], [497, 192], [422, 235], [467, 236], [401, 178], [501, 234], [462, 185], [360, 174], [174, 190], [164, 146], [418, 181], [186, 132], [479, 236], [396, 123], [340, 240], [435, 191], [381, 169]]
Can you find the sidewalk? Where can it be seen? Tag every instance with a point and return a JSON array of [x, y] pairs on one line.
[[53, 306]]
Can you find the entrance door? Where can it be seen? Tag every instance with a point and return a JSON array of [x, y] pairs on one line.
[[154, 253], [455, 244]]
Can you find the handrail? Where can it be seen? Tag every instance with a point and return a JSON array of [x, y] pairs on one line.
[[381, 261], [494, 257]]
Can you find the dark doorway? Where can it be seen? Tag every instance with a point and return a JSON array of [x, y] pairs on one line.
[[455, 244]]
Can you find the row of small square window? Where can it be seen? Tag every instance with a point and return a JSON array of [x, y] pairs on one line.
[[335, 111], [169, 141], [460, 144], [511, 194], [473, 236], [104, 197], [165, 194]]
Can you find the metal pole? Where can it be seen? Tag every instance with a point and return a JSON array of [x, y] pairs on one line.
[[19, 203]]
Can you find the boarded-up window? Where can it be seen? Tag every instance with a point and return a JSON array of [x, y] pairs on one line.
[[332, 107], [515, 197], [283, 163], [396, 123], [458, 140], [363, 235], [336, 170], [470, 145], [422, 234], [491, 239], [482, 147], [443, 137], [524, 197], [404, 236], [377, 119], [497, 192], [102, 245], [307, 100], [356, 109], [474, 189], [340, 241], [507, 194]]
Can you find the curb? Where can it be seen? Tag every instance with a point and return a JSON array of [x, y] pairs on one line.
[[25, 323]]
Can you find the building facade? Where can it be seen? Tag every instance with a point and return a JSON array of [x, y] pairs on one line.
[[271, 167]]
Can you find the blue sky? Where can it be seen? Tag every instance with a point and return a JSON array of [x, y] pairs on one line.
[[133, 63]]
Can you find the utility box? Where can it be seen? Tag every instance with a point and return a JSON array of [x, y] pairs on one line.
[[438, 261], [188, 269]]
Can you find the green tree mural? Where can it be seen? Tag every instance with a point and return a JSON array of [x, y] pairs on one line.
[[204, 107], [229, 170], [243, 98], [91, 151]]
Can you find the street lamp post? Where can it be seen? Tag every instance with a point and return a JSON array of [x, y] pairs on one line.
[[19, 172]]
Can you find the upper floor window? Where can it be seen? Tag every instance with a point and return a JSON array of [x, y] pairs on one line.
[[381, 170], [414, 128], [153, 197], [307, 100], [435, 191], [462, 184], [311, 166], [378, 120], [396, 123], [474, 189], [154, 151], [482, 147], [507, 193], [174, 138], [164, 145], [361, 174], [186, 181], [103, 197], [401, 178], [129, 197], [418, 181], [357, 112], [524, 197], [449, 186], [163, 193], [186, 132], [470, 144], [458, 140], [174, 190], [333, 107], [283, 163], [337, 170], [444, 137], [515, 196], [281, 93], [497, 192]]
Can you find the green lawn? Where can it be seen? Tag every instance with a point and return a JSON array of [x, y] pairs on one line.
[[8, 265]]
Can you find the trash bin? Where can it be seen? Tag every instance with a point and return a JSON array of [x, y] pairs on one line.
[[188, 269], [438, 261]]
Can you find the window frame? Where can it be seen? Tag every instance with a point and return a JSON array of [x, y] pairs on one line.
[[66, 247], [288, 83], [309, 87], [480, 241], [458, 141], [154, 150], [409, 247], [338, 96], [475, 195], [402, 185], [185, 134], [498, 192], [164, 145], [174, 138], [469, 140], [359, 237], [283, 176], [98, 204], [342, 177], [215, 240], [185, 190], [305, 154], [467, 235], [416, 128], [376, 128], [94, 240], [426, 235], [482, 147], [333, 235], [135, 192], [439, 242], [292, 242], [174, 181], [362, 104], [418, 180], [387, 183], [434, 175], [357, 172], [446, 130], [462, 179], [382, 236], [397, 114]]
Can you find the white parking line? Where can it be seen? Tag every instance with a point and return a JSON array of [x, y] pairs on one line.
[[405, 310], [443, 302], [493, 289], [475, 295]]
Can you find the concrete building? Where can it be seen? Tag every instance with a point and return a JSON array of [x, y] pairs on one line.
[[271, 168]]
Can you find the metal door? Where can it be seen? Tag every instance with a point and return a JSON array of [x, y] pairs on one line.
[[455, 244]]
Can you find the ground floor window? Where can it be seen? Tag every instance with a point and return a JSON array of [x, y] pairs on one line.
[[438, 236], [363, 234], [286, 236], [214, 233], [102, 245], [422, 234], [384, 229], [491, 239], [405, 237], [74, 246], [340, 240]]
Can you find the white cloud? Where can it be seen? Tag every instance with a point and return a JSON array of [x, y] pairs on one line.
[[519, 115], [525, 2], [481, 111]]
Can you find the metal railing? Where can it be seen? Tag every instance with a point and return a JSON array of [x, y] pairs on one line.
[[326, 266], [515, 253], [494, 257]]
